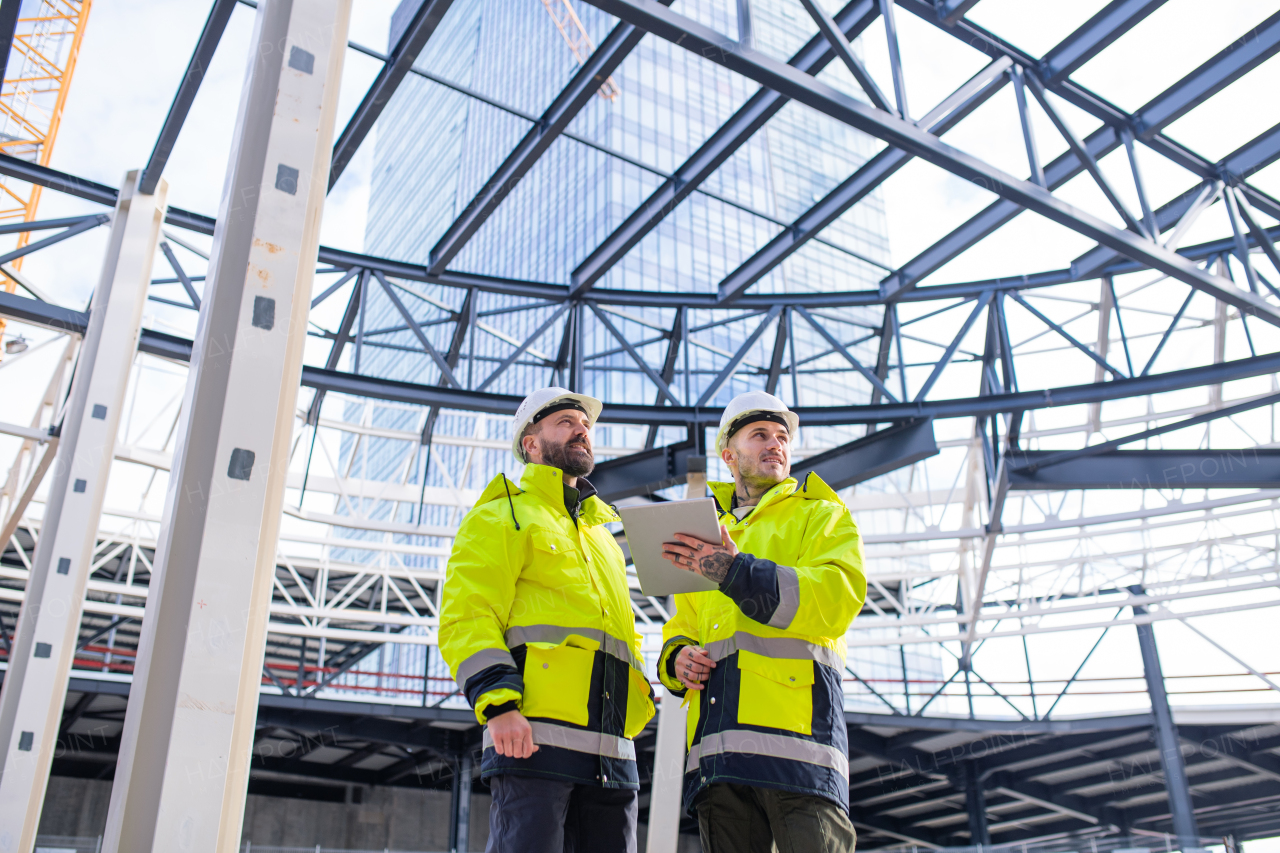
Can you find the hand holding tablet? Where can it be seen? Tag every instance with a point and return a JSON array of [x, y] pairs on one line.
[[651, 527]]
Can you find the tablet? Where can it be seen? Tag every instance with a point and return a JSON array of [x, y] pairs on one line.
[[649, 525]]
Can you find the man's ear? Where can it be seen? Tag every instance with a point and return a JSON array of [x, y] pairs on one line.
[[728, 456], [527, 444]]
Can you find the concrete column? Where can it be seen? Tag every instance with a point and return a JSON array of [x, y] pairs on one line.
[[667, 789], [1175, 771], [187, 742], [666, 792], [35, 685]]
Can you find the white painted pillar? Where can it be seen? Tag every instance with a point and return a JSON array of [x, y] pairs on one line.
[[35, 686], [187, 742], [666, 792]]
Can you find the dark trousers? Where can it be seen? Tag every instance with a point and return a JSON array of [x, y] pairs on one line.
[[746, 819], [531, 815]]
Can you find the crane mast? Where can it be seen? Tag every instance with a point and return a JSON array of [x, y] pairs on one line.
[[575, 35], [41, 60]]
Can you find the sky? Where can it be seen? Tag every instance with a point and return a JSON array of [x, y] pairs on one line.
[[135, 53]]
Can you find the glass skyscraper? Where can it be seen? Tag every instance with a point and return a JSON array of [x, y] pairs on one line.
[[490, 67]]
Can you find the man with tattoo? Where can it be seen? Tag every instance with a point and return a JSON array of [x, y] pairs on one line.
[[763, 655]]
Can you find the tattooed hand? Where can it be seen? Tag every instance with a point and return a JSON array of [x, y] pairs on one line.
[[709, 560]]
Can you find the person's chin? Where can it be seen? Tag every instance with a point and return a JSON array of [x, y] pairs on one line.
[[775, 471]]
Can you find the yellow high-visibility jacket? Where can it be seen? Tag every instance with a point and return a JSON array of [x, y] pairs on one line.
[[535, 615], [772, 712]]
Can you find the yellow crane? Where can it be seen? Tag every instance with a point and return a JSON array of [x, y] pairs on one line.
[[46, 44], [575, 35]]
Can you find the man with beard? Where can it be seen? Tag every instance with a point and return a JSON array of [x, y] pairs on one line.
[[537, 627], [768, 752]]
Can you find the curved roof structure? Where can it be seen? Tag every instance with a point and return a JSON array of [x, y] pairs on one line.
[[1017, 273]]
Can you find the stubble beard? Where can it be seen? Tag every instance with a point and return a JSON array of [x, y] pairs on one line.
[[567, 457], [755, 474]]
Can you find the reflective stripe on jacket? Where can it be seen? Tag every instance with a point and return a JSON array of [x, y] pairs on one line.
[[536, 615], [772, 712]]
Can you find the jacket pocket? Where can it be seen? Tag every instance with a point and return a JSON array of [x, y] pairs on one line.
[[639, 703], [555, 562], [557, 682], [775, 693]]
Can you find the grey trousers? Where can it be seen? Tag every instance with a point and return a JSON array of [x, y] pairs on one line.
[[746, 819], [532, 815]]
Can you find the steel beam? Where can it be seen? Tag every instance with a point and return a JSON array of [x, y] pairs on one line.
[[1175, 771], [207, 45], [1059, 457], [1229, 65], [977, 91], [9, 13], [1094, 36], [34, 691], [719, 147], [189, 727], [89, 222], [620, 41], [1260, 152], [731, 367], [407, 392], [169, 346], [838, 42], [871, 456], [643, 473], [906, 135], [1242, 468], [411, 43], [950, 11]]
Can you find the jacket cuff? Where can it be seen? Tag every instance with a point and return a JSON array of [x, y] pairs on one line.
[[491, 711], [499, 678], [667, 664], [752, 583]]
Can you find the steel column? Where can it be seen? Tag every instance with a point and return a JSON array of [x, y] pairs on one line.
[[35, 687], [975, 800], [1175, 771], [462, 803], [188, 732]]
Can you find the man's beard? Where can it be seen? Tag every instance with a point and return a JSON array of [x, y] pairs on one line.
[[565, 457], [752, 471]]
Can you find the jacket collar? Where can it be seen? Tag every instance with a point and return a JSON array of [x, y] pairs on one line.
[[811, 488], [545, 482], [548, 484]]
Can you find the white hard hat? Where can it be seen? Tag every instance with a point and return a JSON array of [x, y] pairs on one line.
[[547, 398], [740, 409]]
